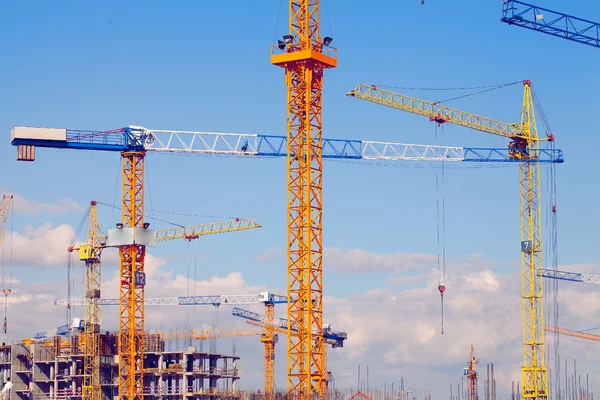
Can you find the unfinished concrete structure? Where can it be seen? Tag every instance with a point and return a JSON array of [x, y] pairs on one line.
[[53, 369]]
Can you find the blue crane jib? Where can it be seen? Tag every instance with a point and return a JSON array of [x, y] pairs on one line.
[[135, 138], [281, 323], [550, 22]]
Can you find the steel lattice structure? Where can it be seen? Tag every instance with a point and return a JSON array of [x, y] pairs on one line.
[[91, 253], [571, 276], [133, 280], [550, 22], [305, 55], [523, 148]]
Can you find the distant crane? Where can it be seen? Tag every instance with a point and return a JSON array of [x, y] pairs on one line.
[[91, 253], [471, 374], [523, 147], [551, 22], [334, 338], [5, 208]]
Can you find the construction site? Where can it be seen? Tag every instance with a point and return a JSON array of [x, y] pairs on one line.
[[130, 356]]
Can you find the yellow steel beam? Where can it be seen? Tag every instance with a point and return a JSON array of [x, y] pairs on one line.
[[90, 253]]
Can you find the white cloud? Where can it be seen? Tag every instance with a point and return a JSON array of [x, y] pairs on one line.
[[43, 246], [269, 254], [358, 261], [396, 331], [27, 206]]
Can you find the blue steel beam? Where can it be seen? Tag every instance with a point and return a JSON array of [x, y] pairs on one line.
[[337, 336], [551, 22], [136, 138], [571, 276]]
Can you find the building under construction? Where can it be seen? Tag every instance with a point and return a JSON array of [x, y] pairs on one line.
[[53, 369]]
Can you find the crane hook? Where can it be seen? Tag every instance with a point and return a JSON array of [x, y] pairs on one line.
[[442, 289]]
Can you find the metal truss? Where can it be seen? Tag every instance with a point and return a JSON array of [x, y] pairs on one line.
[[571, 276], [215, 300], [433, 110], [551, 22], [410, 152], [259, 145]]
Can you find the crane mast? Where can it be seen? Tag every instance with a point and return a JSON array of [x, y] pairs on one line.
[[524, 147], [472, 376], [304, 55], [90, 253], [133, 279], [534, 372], [268, 340]]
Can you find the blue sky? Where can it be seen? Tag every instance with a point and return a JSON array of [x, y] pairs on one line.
[[205, 66]]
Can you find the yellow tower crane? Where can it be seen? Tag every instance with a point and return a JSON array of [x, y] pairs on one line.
[[91, 252], [524, 146], [305, 55]]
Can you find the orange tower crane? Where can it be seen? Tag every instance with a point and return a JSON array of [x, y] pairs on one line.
[[305, 55], [132, 234], [471, 373], [90, 253]]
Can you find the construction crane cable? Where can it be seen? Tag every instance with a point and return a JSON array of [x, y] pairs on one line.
[[451, 88], [117, 181], [328, 18], [540, 112], [552, 249], [441, 245], [478, 92], [149, 187], [82, 224], [277, 22], [116, 207]]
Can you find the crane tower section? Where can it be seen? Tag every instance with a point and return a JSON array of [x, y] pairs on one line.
[[471, 372], [305, 55]]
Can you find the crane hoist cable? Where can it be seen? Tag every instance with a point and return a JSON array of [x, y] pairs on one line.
[[6, 208], [498, 85], [441, 244]]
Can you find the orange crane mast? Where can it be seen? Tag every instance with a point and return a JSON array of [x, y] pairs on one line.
[[471, 372], [305, 55]]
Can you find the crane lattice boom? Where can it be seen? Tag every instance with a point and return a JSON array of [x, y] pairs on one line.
[[569, 332], [435, 112], [571, 276], [551, 22]]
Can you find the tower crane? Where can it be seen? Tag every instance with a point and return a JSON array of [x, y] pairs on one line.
[[471, 373], [304, 55], [281, 325], [550, 22], [571, 276], [133, 142], [5, 207], [90, 253], [523, 147]]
